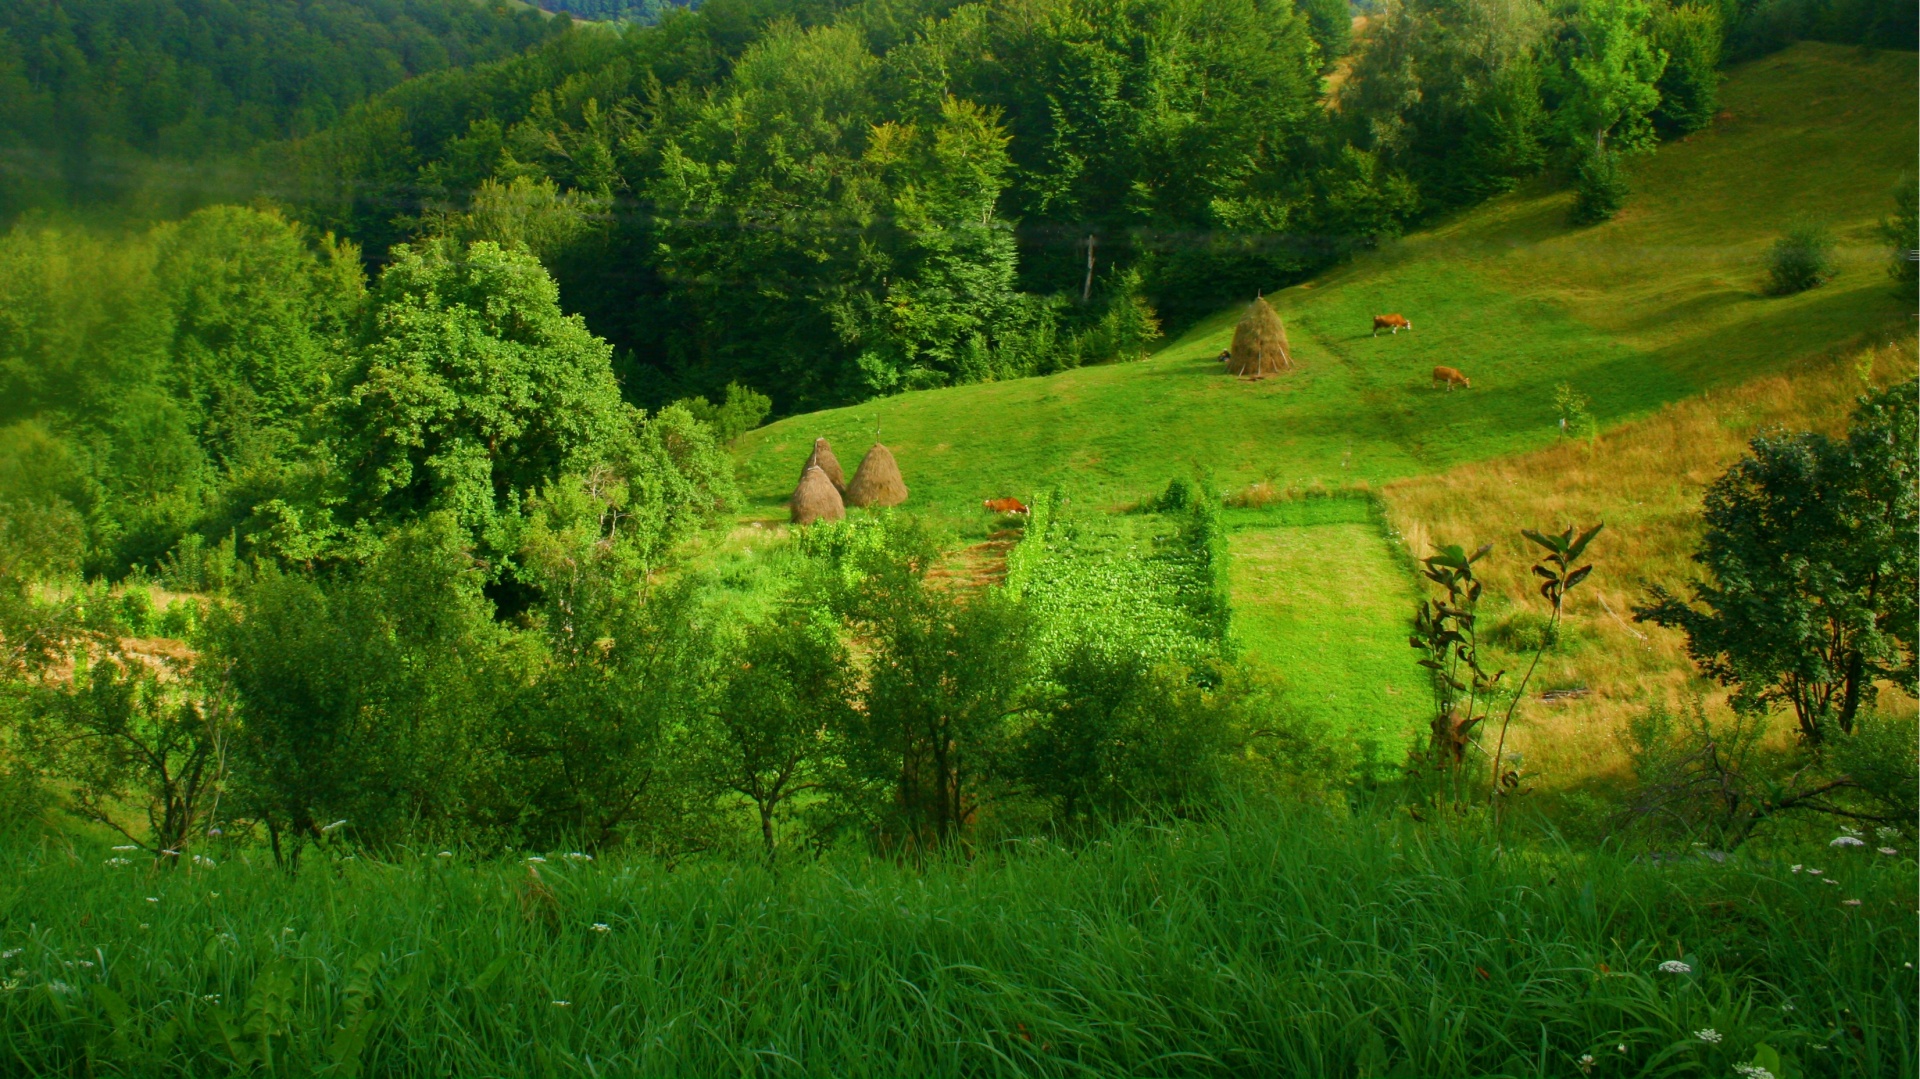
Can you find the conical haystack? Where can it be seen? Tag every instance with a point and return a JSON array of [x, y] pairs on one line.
[[823, 459], [877, 481], [815, 499], [1260, 343]]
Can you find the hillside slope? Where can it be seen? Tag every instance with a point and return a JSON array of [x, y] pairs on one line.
[[1649, 308]]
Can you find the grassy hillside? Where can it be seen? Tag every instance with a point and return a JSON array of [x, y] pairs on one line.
[[1654, 306], [1645, 479]]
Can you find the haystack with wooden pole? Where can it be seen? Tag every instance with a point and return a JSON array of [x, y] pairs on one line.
[[823, 459], [1259, 343], [877, 481], [816, 499]]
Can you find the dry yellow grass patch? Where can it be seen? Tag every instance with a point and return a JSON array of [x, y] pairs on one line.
[[1645, 480]]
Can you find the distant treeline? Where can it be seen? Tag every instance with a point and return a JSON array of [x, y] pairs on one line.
[[644, 12], [94, 93]]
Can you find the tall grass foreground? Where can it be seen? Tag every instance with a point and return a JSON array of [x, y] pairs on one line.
[[1252, 943]]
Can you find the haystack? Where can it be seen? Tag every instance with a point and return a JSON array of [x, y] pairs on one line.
[[816, 499], [1260, 343], [823, 459], [877, 481]]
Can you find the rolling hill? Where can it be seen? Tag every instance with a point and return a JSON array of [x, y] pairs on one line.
[[1662, 302], [1658, 305]]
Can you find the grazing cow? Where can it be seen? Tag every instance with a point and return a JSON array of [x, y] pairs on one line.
[[1005, 505], [1450, 376], [1394, 323]]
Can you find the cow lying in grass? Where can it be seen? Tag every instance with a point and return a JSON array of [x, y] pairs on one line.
[[1393, 323], [1451, 376]]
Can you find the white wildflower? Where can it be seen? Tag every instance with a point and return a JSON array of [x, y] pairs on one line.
[[577, 856], [444, 854], [1889, 850], [213, 895], [1850, 829], [59, 987], [563, 1003], [1621, 1047], [153, 899], [535, 859], [1752, 1071], [1851, 902], [601, 927], [1887, 832], [118, 862], [124, 847], [1796, 869], [1831, 881], [10, 953], [1586, 1063], [1675, 966], [201, 859], [1845, 841], [211, 998], [1816, 872], [334, 827], [215, 832], [9, 985], [1709, 1035]]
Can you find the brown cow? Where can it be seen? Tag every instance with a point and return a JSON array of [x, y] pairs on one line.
[[1395, 323], [1450, 375], [1005, 505]]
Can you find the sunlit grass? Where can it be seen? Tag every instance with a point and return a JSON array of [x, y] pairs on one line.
[[1645, 480], [1274, 942]]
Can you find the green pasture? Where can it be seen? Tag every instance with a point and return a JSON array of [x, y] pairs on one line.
[[1653, 306]]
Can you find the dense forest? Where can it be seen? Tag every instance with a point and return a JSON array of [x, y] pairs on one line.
[[105, 101]]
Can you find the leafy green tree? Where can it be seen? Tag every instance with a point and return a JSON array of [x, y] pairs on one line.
[[1811, 543], [365, 697], [1450, 90], [1692, 37], [474, 389], [121, 735], [1609, 85], [945, 675], [788, 687]]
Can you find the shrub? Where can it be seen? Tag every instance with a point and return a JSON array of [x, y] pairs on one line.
[[1801, 259], [1600, 189]]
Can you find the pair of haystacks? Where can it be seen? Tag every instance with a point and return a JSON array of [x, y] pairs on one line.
[[824, 494], [1259, 343]]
